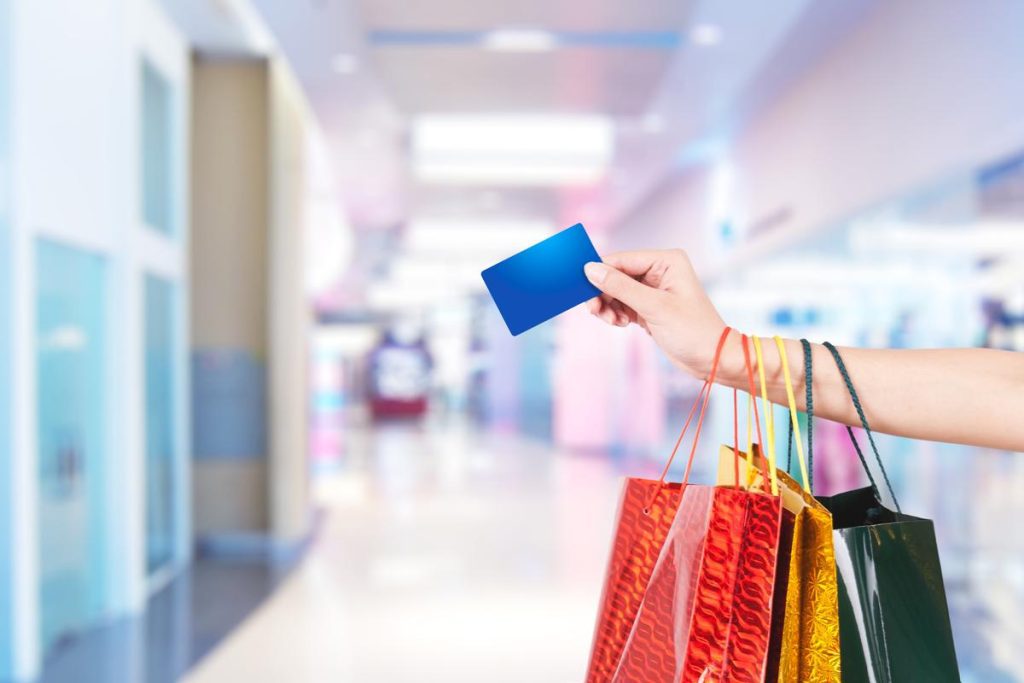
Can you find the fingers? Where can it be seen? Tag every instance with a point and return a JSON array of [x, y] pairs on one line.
[[611, 311], [635, 263], [618, 285], [661, 269]]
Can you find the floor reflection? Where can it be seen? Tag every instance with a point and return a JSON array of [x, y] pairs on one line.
[[183, 623], [447, 555], [450, 554]]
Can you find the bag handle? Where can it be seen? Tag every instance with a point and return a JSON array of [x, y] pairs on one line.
[[702, 400], [809, 399], [809, 402], [769, 418], [735, 439], [867, 429], [794, 425], [752, 408]]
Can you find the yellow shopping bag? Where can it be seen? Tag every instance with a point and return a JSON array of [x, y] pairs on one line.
[[808, 636]]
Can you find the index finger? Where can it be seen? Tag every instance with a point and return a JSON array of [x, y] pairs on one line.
[[634, 263]]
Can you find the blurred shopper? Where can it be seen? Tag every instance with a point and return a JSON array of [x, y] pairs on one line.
[[968, 396]]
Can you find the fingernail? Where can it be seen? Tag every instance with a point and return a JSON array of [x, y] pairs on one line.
[[595, 272]]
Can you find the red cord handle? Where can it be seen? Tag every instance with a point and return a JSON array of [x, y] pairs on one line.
[[703, 398]]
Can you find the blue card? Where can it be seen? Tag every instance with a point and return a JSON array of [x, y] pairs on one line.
[[540, 282]]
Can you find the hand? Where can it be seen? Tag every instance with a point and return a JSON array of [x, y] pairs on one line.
[[660, 292]]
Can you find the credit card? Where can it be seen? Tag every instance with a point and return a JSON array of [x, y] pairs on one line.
[[544, 280]]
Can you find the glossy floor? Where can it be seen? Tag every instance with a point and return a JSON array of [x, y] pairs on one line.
[[450, 555], [447, 554]]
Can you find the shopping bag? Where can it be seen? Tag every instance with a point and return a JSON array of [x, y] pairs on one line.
[[639, 538], [654, 649], [706, 612], [893, 617], [706, 615], [805, 633], [805, 629], [646, 512]]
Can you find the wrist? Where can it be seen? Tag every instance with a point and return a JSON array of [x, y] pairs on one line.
[[731, 369]]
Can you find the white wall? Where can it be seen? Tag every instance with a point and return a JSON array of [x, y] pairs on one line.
[[288, 308], [75, 170], [918, 89]]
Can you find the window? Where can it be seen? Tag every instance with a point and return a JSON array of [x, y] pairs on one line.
[[157, 151], [160, 422]]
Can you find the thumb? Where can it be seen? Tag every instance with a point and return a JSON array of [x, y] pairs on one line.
[[618, 285]]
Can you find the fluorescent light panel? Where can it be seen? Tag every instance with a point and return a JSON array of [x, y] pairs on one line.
[[486, 237], [512, 149], [440, 260], [519, 40], [393, 295]]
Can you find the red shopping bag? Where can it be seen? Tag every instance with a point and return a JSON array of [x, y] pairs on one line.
[[688, 595]]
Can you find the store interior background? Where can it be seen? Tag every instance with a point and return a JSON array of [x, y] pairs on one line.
[[259, 419]]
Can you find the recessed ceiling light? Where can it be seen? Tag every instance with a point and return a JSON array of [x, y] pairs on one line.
[[520, 40], [513, 149], [344, 63], [706, 35]]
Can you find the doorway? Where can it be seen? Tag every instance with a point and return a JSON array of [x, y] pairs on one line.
[[74, 448]]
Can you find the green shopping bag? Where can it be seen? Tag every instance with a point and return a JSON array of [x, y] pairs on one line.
[[893, 617]]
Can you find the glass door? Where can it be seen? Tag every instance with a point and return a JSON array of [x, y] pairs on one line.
[[160, 422], [72, 436]]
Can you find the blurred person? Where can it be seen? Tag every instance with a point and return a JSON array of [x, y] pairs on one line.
[[966, 396]]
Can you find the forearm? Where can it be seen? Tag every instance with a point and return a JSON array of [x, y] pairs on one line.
[[969, 396]]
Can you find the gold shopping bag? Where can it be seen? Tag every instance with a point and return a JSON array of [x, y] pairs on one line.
[[809, 649]]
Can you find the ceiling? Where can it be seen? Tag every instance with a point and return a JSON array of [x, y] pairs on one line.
[[641, 63], [558, 15], [614, 58], [446, 78], [634, 61]]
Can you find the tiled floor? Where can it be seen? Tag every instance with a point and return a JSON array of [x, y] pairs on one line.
[[456, 556]]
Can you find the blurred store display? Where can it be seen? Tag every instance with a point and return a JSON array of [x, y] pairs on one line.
[[399, 380]]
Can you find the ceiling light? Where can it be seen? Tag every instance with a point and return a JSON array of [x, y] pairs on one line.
[[463, 273], [473, 238], [519, 40], [344, 63], [388, 295], [706, 35], [512, 149]]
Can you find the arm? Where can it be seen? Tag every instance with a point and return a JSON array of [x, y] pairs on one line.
[[969, 396]]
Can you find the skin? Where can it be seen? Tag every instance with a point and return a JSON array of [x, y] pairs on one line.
[[966, 396]]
